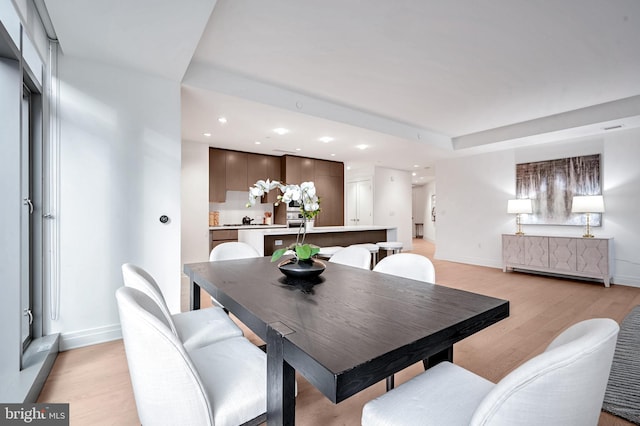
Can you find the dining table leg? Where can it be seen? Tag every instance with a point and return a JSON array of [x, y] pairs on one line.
[[281, 380], [194, 295], [444, 355]]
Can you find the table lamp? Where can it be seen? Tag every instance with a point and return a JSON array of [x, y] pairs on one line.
[[587, 204], [518, 207]]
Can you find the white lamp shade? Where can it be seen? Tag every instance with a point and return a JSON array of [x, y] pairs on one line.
[[587, 204], [519, 206]]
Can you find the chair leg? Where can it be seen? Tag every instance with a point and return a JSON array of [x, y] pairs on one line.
[[390, 383]]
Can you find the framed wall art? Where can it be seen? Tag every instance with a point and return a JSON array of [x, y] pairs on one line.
[[552, 184]]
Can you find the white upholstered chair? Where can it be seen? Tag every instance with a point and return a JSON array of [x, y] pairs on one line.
[[407, 265], [357, 256], [194, 328], [563, 386], [222, 384], [232, 250], [327, 252]]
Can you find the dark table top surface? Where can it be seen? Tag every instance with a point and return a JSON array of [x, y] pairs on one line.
[[350, 316]]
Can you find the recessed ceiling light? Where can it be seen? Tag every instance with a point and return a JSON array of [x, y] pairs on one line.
[[362, 146], [298, 149], [281, 131], [207, 134], [333, 155], [257, 142], [415, 165], [414, 174], [222, 120], [325, 139], [348, 167]]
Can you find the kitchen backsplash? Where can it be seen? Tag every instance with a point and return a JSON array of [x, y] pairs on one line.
[[235, 208]]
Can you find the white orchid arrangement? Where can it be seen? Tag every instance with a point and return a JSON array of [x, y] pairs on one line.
[[305, 194]]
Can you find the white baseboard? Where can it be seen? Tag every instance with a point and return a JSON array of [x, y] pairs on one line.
[[626, 280], [92, 336], [489, 263]]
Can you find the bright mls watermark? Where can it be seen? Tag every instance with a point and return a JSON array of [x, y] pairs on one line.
[[34, 414]]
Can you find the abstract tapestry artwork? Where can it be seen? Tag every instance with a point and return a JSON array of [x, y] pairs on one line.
[[551, 186]]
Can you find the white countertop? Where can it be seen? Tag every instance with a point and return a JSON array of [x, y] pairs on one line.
[[247, 227]]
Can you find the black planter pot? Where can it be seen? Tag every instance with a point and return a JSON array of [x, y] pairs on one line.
[[301, 269]]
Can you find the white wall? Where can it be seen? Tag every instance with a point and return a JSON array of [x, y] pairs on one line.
[[120, 171], [10, 217], [392, 202], [473, 193], [195, 202]]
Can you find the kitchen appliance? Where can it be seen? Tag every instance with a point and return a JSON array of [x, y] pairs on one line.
[[246, 220], [294, 217]]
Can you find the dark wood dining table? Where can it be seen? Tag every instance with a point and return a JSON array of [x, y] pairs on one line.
[[344, 331]]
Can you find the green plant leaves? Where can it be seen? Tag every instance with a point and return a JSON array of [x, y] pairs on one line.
[[303, 251]]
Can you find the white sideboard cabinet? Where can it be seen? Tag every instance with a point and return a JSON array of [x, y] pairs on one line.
[[578, 257]]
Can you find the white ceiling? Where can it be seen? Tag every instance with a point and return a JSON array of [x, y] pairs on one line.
[[416, 81]]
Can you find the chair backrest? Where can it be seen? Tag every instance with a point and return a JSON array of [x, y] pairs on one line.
[[233, 250], [166, 384], [407, 265], [564, 385], [136, 277], [356, 256]]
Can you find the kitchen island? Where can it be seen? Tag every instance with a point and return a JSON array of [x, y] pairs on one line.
[[266, 241]]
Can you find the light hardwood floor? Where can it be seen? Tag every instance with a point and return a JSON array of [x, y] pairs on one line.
[[95, 379]]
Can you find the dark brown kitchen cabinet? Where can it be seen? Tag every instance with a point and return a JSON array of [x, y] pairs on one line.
[[273, 173], [236, 172], [256, 168], [329, 168], [222, 236], [329, 181], [330, 189], [263, 167], [217, 175]]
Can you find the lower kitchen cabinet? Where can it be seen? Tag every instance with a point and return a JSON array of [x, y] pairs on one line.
[[222, 236]]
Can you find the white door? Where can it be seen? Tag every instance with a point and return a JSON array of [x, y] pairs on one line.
[[360, 203]]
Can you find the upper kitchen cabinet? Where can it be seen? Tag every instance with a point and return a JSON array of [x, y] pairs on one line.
[[217, 175], [328, 177], [263, 167], [298, 169], [236, 173], [329, 180]]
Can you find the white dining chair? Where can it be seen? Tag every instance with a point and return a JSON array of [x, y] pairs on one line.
[[563, 386], [328, 251], [407, 265], [232, 250], [194, 328], [222, 384], [357, 256]]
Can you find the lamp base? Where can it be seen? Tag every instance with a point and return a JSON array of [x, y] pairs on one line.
[[519, 233], [587, 236]]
